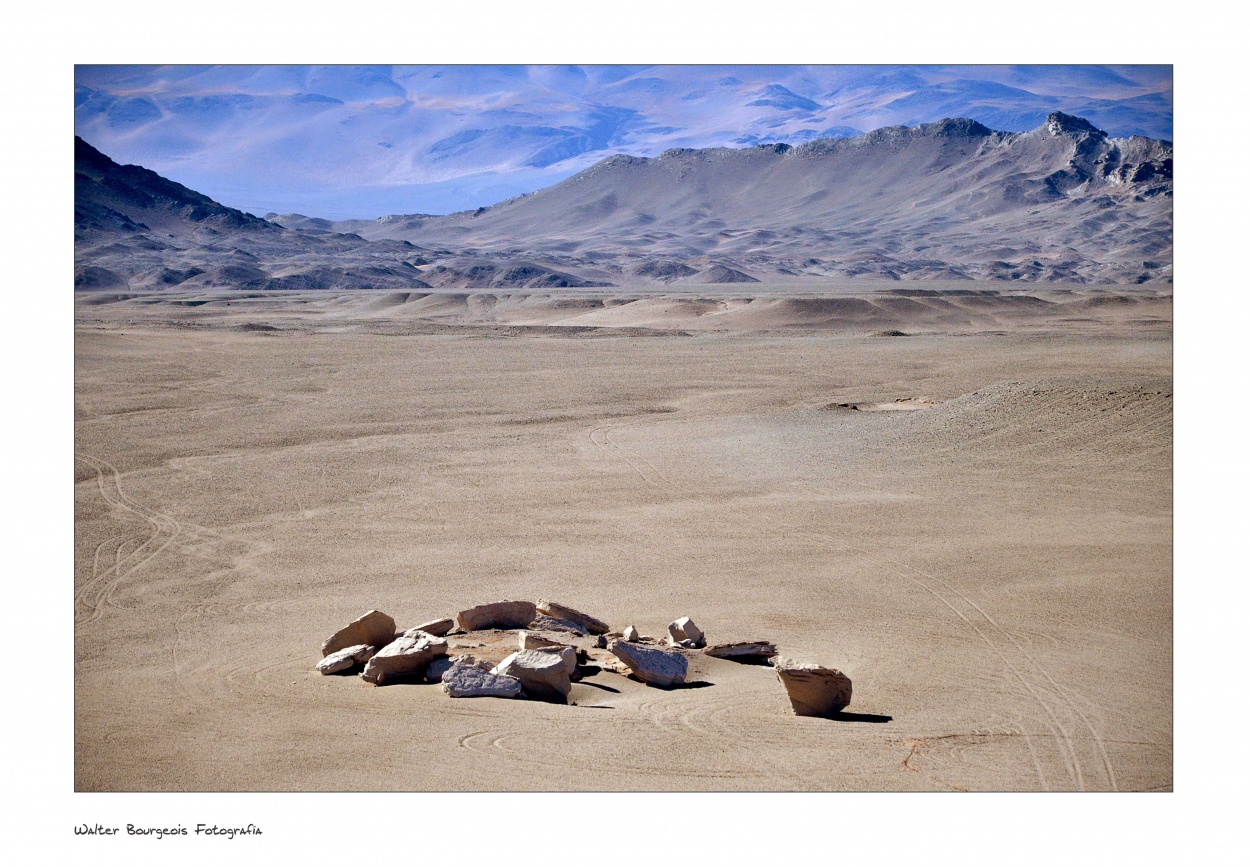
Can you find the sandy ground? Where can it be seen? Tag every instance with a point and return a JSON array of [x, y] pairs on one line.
[[989, 558]]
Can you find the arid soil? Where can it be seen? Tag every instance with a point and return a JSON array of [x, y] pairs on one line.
[[963, 501]]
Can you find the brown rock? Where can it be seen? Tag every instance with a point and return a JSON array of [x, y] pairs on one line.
[[404, 655], [437, 627], [348, 657], [544, 675], [372, 629], [813, 689], [593, 625], [497, 615], [651, 664]]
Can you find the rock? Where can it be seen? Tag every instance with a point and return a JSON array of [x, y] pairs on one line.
[[437, 627], [497, 615], [813, 689], [593, 625], [740, 649], [555, 624], [683, 631], [348, 657], [651, 664], [465, 678], [544, 675], [437, 668], [404, 655], [532, 641], [630, 633], [607, 661], [372, 629]]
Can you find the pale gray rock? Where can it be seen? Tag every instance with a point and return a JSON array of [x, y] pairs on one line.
[[682, 631], [404, 655], [739, 649], [544, 675], [813, 689], [592, 625], [497, 615], [372, 629], [348, 657], [630, 634], [438, 627], [465, 678], [652, 665]]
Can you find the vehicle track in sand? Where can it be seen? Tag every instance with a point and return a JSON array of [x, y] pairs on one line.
[[91, 600], [1060, 706]]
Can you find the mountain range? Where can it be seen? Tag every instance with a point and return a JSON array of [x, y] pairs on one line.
[[363, 141], [1063, 202]]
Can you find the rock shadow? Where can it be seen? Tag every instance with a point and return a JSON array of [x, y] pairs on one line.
[[844, 716]]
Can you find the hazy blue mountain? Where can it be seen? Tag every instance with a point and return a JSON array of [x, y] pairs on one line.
[[362, 141]]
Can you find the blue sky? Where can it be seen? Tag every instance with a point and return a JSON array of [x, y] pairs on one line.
[[365, 141]]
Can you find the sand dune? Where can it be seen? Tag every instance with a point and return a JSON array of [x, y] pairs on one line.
[[991, 567]]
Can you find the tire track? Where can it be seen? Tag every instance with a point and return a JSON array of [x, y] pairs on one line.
[[92, 599], [987, 630]]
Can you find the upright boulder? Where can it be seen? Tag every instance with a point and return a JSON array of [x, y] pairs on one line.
[[813, 689], [373, 629], [651, 665], [592, 625], [497, 615], [683, 632], [404, 655], [631, 633], [543, 674]]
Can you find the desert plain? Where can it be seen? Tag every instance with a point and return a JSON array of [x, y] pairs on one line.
[[958, 494]]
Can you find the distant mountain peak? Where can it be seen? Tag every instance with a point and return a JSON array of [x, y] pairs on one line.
[[1058, 123]]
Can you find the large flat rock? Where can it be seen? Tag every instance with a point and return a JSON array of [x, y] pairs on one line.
[[404, 655], [467, 678], [651, 665], [544, 674], [373, 629], [592, 625]]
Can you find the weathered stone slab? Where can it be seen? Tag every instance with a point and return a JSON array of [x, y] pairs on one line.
[[466, 678], [682, 631], [348, 657], [592, 625], [438, 627], [607, 661], [497, 615], [404, 655], [652, 665], [813, 689], [543, 674], [555, 624], [372, 629], [739, 649]]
